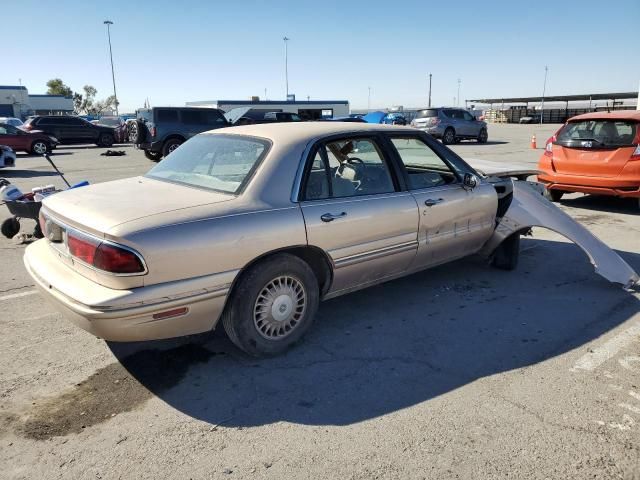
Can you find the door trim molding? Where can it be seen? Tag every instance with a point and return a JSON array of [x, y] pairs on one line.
[[374, 254]]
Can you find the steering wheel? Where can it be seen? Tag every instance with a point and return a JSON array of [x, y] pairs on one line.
[[350, 162]]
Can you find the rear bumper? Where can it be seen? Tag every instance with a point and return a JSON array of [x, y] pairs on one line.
[[151, 146], [123, 315], [612, 186]]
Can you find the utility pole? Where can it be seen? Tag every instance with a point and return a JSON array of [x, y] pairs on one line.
[[544, 89], [429, 105], [108, 23], [369, 100], [286, 65], [458, 97]]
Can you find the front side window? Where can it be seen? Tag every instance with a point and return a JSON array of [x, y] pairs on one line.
[[424, 167], [217, 162], [349, 168]]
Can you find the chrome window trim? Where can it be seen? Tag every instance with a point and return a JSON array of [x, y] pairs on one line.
[[80, 233]]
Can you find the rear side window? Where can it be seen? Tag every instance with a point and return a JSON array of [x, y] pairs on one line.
[[46, 121], [597, 133], [166, 115], [193, 117]]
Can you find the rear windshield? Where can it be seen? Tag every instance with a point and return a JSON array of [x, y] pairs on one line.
[[431, 112], [217, 162], [597, 133]]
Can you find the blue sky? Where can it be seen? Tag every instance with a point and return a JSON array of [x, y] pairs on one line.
[[178, 51]]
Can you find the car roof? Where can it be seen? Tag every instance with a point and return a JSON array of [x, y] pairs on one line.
[[305, 131], [617, 115]]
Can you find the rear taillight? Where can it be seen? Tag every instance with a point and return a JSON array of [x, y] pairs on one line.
[[435, 121], [548, 148], [104, 256], [112, 258], [26, 126], [636, 153], [153, 131]]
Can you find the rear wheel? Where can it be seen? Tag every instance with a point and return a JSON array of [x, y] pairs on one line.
[[449, 136], [272, 306], [483, 136], [153, 156], [39, 147], [553, 195], [105, 140], [507, 254], [170, 145]]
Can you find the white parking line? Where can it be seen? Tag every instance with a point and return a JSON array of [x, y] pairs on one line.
[[18, 295], [596, 357]]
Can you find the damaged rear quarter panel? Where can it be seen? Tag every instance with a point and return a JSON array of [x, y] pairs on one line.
[[530, 209]]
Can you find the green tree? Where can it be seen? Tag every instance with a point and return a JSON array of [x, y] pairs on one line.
[[56, 86]]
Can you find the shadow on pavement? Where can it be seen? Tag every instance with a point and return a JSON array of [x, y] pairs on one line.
[[398, 344], [473, 142], [27, 173], [604, 204]]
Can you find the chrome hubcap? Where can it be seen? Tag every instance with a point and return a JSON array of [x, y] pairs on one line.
[[40, 148], [279, 307], [173, 147]]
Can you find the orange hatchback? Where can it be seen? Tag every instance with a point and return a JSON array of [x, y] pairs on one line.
[[595, 153]]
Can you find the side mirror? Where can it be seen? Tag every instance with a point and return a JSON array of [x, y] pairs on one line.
[[470, 181]]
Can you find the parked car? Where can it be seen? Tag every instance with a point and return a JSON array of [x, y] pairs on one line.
[[33, 141], [391, 118], [118, 125], [344, 119], [250, 116], [451, 125], [253, 226], [14, 122], [596, 153], [160, 130], [71, 130], [530, 119]]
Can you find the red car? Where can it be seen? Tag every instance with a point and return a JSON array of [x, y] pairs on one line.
[[33, 141], [596, 153]]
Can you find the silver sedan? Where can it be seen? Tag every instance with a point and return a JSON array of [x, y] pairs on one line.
[[255, 225]]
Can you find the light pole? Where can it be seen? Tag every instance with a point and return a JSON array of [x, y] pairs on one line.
[[429, 91], [286, 65], [458, 97], [113, 75], [369, 100], [544, 88]]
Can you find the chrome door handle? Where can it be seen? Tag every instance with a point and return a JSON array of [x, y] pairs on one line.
[[330, 217], [430, 202]]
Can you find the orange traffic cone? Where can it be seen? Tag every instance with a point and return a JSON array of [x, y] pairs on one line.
[[533, 142]]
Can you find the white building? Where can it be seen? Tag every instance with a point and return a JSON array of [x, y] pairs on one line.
[[15, 101], [309, 109]]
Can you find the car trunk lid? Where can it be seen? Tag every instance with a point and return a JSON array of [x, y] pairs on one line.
[[591, 162], [98, 208]]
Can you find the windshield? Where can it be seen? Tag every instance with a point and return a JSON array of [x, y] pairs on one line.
[[217, 162], [597, 133], [432, 112]]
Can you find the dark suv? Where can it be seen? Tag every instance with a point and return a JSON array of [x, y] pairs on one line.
[[160, 130], [451, 125], [70, 130]]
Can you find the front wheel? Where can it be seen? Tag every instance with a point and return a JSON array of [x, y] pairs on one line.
[[449, 136], [507, 254], [39, 147], [483, 136], [153, 156], [106, 140], [272, 306]]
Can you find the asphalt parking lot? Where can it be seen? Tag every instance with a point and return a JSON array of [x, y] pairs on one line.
[[461, 371]]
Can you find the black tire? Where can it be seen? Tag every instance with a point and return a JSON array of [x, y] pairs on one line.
[[37, 231], [553, 195], [241, 318], [153, 156], [40, 147], [10, 227], [507, 254], [449, 136], [170, 145], [483, 136], [106, 140]]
